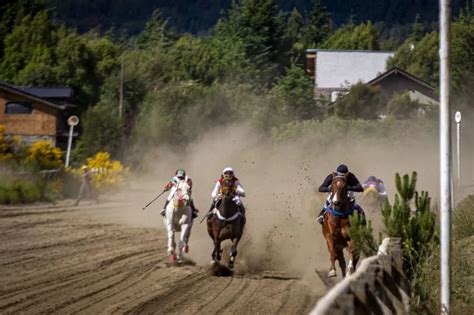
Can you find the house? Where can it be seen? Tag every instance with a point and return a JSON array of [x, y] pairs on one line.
[[335, 70], [399, 81], [35, 113]]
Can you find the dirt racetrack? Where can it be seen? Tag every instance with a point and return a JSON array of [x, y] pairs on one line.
[[64, 259]]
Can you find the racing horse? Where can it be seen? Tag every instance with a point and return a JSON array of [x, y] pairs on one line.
[[178, 218], [226, 223], [336, 227]]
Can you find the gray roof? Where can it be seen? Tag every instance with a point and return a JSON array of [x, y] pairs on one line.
[[15, 90], [338, 68], [48, 92]]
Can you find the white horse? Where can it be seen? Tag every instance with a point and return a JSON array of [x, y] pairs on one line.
[[179, 219]]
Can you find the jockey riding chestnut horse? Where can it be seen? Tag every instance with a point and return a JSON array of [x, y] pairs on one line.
[[336, 225], [353, 185]]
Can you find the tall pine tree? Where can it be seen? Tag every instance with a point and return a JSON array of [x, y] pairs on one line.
[[259, 25], [318, 25]]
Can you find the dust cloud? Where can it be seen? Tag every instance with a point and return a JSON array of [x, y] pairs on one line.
[[281, 182]]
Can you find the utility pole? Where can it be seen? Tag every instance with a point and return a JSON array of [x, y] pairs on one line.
[[445, 153], [122, 74]]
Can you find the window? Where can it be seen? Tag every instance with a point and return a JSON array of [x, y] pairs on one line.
[[14, 107]]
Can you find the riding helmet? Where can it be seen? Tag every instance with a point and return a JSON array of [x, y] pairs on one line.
[[180, 173], [342, 169]]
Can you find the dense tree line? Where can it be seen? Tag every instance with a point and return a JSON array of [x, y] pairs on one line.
[[248, 67], [200, 16]]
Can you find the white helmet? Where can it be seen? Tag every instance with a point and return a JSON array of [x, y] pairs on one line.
[[228, 172]]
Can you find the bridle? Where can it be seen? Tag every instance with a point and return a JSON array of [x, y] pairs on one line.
[[179, 196], [338, 193]]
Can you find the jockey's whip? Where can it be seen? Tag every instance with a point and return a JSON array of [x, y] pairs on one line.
[[204, 217], [154, 200]]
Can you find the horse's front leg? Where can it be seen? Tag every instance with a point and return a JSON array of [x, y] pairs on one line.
[[353, 257], [233, 251], [183, 242], [216, 254], [341, 260], [332, 255], [171, 242]]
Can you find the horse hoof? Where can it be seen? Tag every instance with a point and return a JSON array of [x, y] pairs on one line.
[[179, 260], [173, 258], [332, 273], [213, 262], [186, 249], [231, 265]]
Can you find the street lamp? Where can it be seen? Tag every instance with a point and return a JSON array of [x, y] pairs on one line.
[[457, 118], [72, 122]]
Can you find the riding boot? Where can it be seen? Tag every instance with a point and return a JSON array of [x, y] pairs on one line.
[[163, 211], [320, 217], [193, 209]]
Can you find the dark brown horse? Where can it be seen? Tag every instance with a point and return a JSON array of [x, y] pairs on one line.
[[336, 227], [226, 223]]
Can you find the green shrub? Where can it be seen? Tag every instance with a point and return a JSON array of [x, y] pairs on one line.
[[362, 235], [24, 191], [417, 229], [463, 218]]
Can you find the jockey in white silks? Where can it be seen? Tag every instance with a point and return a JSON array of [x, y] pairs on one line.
[[180, 174], [228, 174], [178, 218]]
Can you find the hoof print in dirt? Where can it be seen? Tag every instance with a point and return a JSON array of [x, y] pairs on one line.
[[179, 263], [219, 270]]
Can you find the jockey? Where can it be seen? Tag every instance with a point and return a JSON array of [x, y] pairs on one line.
[[228, 174], [180, 174], [353, 185], [377, 183]]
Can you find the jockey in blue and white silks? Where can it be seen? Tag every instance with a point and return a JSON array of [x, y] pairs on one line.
[[180, 174], [353, 185]]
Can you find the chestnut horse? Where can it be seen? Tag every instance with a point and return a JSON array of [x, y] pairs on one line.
[[336, 227], [226, 223]]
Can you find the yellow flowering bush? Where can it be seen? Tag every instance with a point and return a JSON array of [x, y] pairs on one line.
[[106, 173], [5, 153], [44, 155]]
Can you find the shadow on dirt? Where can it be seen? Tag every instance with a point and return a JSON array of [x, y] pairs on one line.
[[219, 270]]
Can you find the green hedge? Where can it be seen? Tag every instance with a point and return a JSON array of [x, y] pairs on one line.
[[23, 191]]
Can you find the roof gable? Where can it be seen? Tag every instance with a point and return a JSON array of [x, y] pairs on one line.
[[15, 90], [398, 71], [48, 92]]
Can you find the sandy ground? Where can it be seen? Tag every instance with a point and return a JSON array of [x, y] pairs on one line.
[[96, 259]]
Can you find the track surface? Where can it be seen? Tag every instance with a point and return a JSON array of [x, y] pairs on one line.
[[61, 259]]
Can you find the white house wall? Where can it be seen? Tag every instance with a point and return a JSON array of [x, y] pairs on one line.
[[335, 69]]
